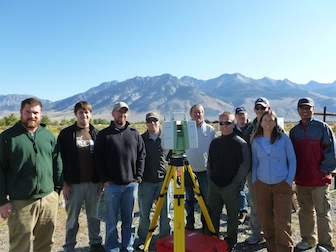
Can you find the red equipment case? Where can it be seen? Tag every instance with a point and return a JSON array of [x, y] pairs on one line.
[[194, 242]]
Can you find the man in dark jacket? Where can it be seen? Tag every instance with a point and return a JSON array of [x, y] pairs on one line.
[[242, 123], [228, 163], [30, 180], [154, 173], [120, 159], [314, 145], [81, 182]]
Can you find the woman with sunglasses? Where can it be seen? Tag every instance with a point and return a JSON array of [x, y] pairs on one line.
[[273, 171]]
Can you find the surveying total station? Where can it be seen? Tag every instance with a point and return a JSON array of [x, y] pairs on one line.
[[178, 135]]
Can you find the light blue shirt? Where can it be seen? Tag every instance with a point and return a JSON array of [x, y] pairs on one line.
[[273, 163], [198, 157]]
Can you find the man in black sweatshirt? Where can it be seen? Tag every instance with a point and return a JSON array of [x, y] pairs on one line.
[[228, 163], [120, 159]]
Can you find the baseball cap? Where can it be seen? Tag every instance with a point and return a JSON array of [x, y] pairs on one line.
[[306, 101], [120, 105], [262, 101], [152, 115], [240, 110]]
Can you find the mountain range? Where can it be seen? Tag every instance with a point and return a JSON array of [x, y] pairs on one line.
[[167, 94]]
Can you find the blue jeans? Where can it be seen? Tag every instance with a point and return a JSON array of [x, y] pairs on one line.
[[120, 197], [147, 193], [243, 202], [203, 184]]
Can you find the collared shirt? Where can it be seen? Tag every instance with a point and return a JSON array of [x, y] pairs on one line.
[[273, 163], [198, 157]]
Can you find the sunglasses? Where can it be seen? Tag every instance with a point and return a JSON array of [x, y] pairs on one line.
[[150, 120], [225, 123], [260, 108]]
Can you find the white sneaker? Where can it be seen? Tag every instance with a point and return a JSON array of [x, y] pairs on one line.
[[252, 240], [302, 245]]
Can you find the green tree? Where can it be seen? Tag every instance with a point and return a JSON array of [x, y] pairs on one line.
[[46, 120], [72, 121], [65, 122], [10, 120], [100, 121], [55, 123]]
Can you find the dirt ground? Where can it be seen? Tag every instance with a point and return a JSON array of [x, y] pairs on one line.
[[82, 240]]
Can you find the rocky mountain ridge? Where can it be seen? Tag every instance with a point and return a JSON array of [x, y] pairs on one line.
[[167, 94]]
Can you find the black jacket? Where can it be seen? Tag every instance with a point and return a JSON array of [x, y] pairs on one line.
[[155, 164], [67, 145], [120, 155], [229, 160]]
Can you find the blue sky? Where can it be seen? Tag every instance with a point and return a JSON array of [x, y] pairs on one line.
[[55, 49]]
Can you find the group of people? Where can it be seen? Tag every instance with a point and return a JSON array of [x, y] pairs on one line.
[[270, 160], [83, 161]]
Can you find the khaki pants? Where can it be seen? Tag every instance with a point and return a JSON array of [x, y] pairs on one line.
[[315, 206], [274, 204], [33, 220]]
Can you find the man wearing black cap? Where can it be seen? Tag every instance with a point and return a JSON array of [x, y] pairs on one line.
[[152, 181], [120, 159], [314, 145], [242, 123]]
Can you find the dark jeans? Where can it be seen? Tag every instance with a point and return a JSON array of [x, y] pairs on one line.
[[217, 198], [190, 202]]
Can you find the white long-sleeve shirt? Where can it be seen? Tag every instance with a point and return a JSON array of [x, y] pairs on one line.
[[198, 157]]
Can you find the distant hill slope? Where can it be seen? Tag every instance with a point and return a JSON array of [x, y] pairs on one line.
[[167, 94]]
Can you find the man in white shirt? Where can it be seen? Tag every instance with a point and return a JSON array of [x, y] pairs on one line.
[[198, 158]]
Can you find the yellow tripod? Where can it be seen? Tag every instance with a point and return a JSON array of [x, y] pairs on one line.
[[177, 166]]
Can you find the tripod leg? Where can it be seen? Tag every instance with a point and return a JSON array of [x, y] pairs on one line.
[[201, 200], [179, 229], [159, 204]]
